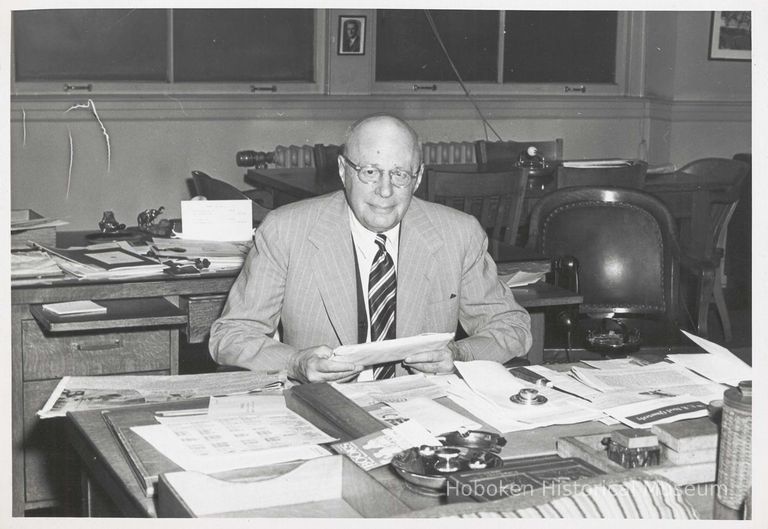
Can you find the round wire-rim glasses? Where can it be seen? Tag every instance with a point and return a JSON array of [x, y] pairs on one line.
[[370, 174]]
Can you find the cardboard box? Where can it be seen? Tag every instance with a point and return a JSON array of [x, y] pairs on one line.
[[45, 236]]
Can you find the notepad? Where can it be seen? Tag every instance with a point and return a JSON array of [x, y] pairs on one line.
[[72, 308]]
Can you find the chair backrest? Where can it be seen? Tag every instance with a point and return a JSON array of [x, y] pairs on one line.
[[214, 189], [624, 240], [632, 175], [722, 180], [495, 199], [502, 152], [326, 159]]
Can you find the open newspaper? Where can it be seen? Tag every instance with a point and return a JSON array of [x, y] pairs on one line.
[[98, 392]]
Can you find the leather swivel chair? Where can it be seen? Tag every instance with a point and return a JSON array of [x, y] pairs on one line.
[[622, 246]]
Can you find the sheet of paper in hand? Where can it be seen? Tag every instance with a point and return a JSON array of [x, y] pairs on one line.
[[368, 354]]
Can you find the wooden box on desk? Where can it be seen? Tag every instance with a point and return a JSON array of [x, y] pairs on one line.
[[45, 236], [590, 449], [327, 487]]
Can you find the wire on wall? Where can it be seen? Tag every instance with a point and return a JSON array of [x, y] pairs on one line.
[[486, 124]]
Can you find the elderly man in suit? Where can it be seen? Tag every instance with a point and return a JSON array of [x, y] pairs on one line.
[[365, 264]]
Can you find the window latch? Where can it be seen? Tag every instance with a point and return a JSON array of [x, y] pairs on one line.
[[71, 87], [255, 88], [580, 88], [418, 87]]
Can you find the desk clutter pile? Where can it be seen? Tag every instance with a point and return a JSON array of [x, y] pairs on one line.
[[120, 260], [229, 444]]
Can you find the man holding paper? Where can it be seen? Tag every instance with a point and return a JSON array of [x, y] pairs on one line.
[[366, 264]]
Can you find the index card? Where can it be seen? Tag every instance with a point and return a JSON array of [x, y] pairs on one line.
[[217, 220]]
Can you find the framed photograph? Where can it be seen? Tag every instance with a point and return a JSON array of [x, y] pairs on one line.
[[730, 38], [351, 35]]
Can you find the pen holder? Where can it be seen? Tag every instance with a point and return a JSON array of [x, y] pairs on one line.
[[734, 471]]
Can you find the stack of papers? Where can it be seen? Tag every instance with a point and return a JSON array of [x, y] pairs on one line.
[[33, 264], [110, 261], [74, 308], [222, 255], [587, 164], [717, 364], [237, 432]]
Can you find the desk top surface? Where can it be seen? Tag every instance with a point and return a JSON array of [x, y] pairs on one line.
[[99, 450]]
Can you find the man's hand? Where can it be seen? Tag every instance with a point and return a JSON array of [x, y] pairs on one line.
[[316, 364], [434, 362]]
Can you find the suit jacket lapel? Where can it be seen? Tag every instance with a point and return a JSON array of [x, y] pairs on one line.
[[334, 268], [416, 266]]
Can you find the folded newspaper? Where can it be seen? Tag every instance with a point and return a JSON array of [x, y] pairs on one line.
[[98, 392], [368, 354]]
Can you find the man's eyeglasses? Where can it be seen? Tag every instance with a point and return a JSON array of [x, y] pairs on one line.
[[370, 174]]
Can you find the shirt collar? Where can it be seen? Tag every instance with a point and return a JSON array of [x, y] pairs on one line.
[[365, 239]]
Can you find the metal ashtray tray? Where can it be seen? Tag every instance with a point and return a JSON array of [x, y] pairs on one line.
[[426, 467]]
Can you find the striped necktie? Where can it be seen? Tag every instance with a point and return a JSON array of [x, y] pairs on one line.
[[382, 286]]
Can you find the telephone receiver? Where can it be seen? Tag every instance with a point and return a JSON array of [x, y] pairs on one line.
[[613, 337]]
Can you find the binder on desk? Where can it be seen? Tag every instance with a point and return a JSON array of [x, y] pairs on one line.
[[145, 461]]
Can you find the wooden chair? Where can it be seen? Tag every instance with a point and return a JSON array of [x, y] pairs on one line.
[[632, 176], [214, 189], [495, 199], [497, 153], [326, 159], [703, 233], [622, 245]]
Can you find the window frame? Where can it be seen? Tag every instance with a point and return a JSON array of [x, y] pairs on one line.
[[214, 88], [619, 88]]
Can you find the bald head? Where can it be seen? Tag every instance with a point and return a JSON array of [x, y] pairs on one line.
[[378, 132]]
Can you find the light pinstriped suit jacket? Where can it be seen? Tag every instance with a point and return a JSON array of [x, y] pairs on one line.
[[302, 272]]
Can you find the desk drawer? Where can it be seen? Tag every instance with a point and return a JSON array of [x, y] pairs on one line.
[[202, 311], [52, 356]]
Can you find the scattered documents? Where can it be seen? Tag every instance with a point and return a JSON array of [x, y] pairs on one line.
[[588, 164], [434, 417], [108, 261], [217, 220], [660, 375], [522, 278], [221, 255], [491, 381], [99, 392], [658, 411], [717, 364], [368, 354], [74, 308], [228, 444], [397, 389], [377, 449], [33, 264]]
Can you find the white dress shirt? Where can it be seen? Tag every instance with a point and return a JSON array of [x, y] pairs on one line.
[[364, 242]]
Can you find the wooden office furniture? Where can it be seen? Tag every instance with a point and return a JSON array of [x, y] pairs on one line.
[[495, 199], [632, 176], [139, 334], [495, 152]]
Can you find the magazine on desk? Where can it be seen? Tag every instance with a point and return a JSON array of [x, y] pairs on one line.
[[111, 391]]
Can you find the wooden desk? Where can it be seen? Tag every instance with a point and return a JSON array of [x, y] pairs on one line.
[[111, 489], [146, 344]]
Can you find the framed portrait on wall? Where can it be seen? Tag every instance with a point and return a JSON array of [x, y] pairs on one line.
[[730, 37], [351, 35]]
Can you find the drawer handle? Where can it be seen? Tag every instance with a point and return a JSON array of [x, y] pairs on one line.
[[113, 344]]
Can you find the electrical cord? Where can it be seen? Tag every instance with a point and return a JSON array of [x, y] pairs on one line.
[[486, 124]]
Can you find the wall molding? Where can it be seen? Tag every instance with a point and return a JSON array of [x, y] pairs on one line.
[[347, 108]]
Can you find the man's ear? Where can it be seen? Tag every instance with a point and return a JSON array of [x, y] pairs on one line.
[[419, 174], [342, 171]]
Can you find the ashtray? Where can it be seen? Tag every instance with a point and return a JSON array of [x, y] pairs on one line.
[[475, 439], [425, 468]]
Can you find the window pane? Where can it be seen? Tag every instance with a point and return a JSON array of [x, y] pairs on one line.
[[90, 44], [261, 45], [407, 50], [560, 46]]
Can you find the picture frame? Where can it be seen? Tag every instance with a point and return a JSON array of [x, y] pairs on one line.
[[351, 35], [730, 36]]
